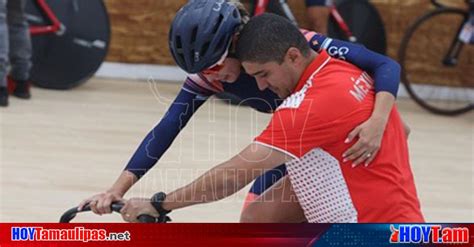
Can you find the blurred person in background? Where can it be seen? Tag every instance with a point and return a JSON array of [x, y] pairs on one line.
[[15, 49]]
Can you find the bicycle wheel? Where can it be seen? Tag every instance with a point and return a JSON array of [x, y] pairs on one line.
[[364, 22], [434, 85], [64, 61]]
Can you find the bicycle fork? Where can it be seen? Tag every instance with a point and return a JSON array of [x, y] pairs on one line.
[[451, 58]]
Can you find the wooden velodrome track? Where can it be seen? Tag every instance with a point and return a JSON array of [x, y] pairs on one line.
[[63, 146]]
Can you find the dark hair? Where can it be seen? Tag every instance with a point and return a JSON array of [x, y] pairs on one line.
[[267, 37]]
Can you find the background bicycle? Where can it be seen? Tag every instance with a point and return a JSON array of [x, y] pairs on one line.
[[351, 20], [434, 54], [70, 41]]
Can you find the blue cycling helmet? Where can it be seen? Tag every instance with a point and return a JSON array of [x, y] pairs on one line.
[[201, 33]]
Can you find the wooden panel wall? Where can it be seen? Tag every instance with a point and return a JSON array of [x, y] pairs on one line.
[[140, 30], [140, 27]]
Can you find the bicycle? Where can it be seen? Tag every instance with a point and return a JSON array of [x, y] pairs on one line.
[[437, 65], [350, 20], [70, 40], [116, 207]]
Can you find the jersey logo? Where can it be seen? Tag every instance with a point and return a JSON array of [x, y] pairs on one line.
[[361, 86], [338, 52]]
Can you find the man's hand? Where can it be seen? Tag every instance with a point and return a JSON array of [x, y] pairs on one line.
[[100, 203], [370, 135], [136, 207]]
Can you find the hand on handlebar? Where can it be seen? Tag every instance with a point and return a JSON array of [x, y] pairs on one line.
[[101, 203], [115, 207], [135, 207]]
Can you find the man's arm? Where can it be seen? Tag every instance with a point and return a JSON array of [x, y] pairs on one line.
[[227, 178], [219, 182], [386, 74]]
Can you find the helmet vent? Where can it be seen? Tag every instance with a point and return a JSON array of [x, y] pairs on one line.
[[194, 34], [218, 24], [221, 44], [235, 13], [179, 44], [204, 48]]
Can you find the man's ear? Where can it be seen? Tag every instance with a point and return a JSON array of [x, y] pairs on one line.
[[293, 55]]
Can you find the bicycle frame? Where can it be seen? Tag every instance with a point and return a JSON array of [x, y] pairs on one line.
[[342, 24], [262, 5], [55, 25], [451, 57]]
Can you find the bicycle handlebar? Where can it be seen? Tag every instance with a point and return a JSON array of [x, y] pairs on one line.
[[116, 207]]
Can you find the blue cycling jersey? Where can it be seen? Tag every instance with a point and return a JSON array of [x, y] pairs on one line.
[[385, 71]]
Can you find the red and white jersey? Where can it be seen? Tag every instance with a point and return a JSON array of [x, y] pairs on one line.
[[330, 100]]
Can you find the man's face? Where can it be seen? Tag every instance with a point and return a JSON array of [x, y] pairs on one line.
[[280, 78]]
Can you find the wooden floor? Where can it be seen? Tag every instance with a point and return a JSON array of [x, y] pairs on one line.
[[63, 146]]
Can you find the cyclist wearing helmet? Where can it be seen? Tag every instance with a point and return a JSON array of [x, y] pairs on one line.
[[201, 39]]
